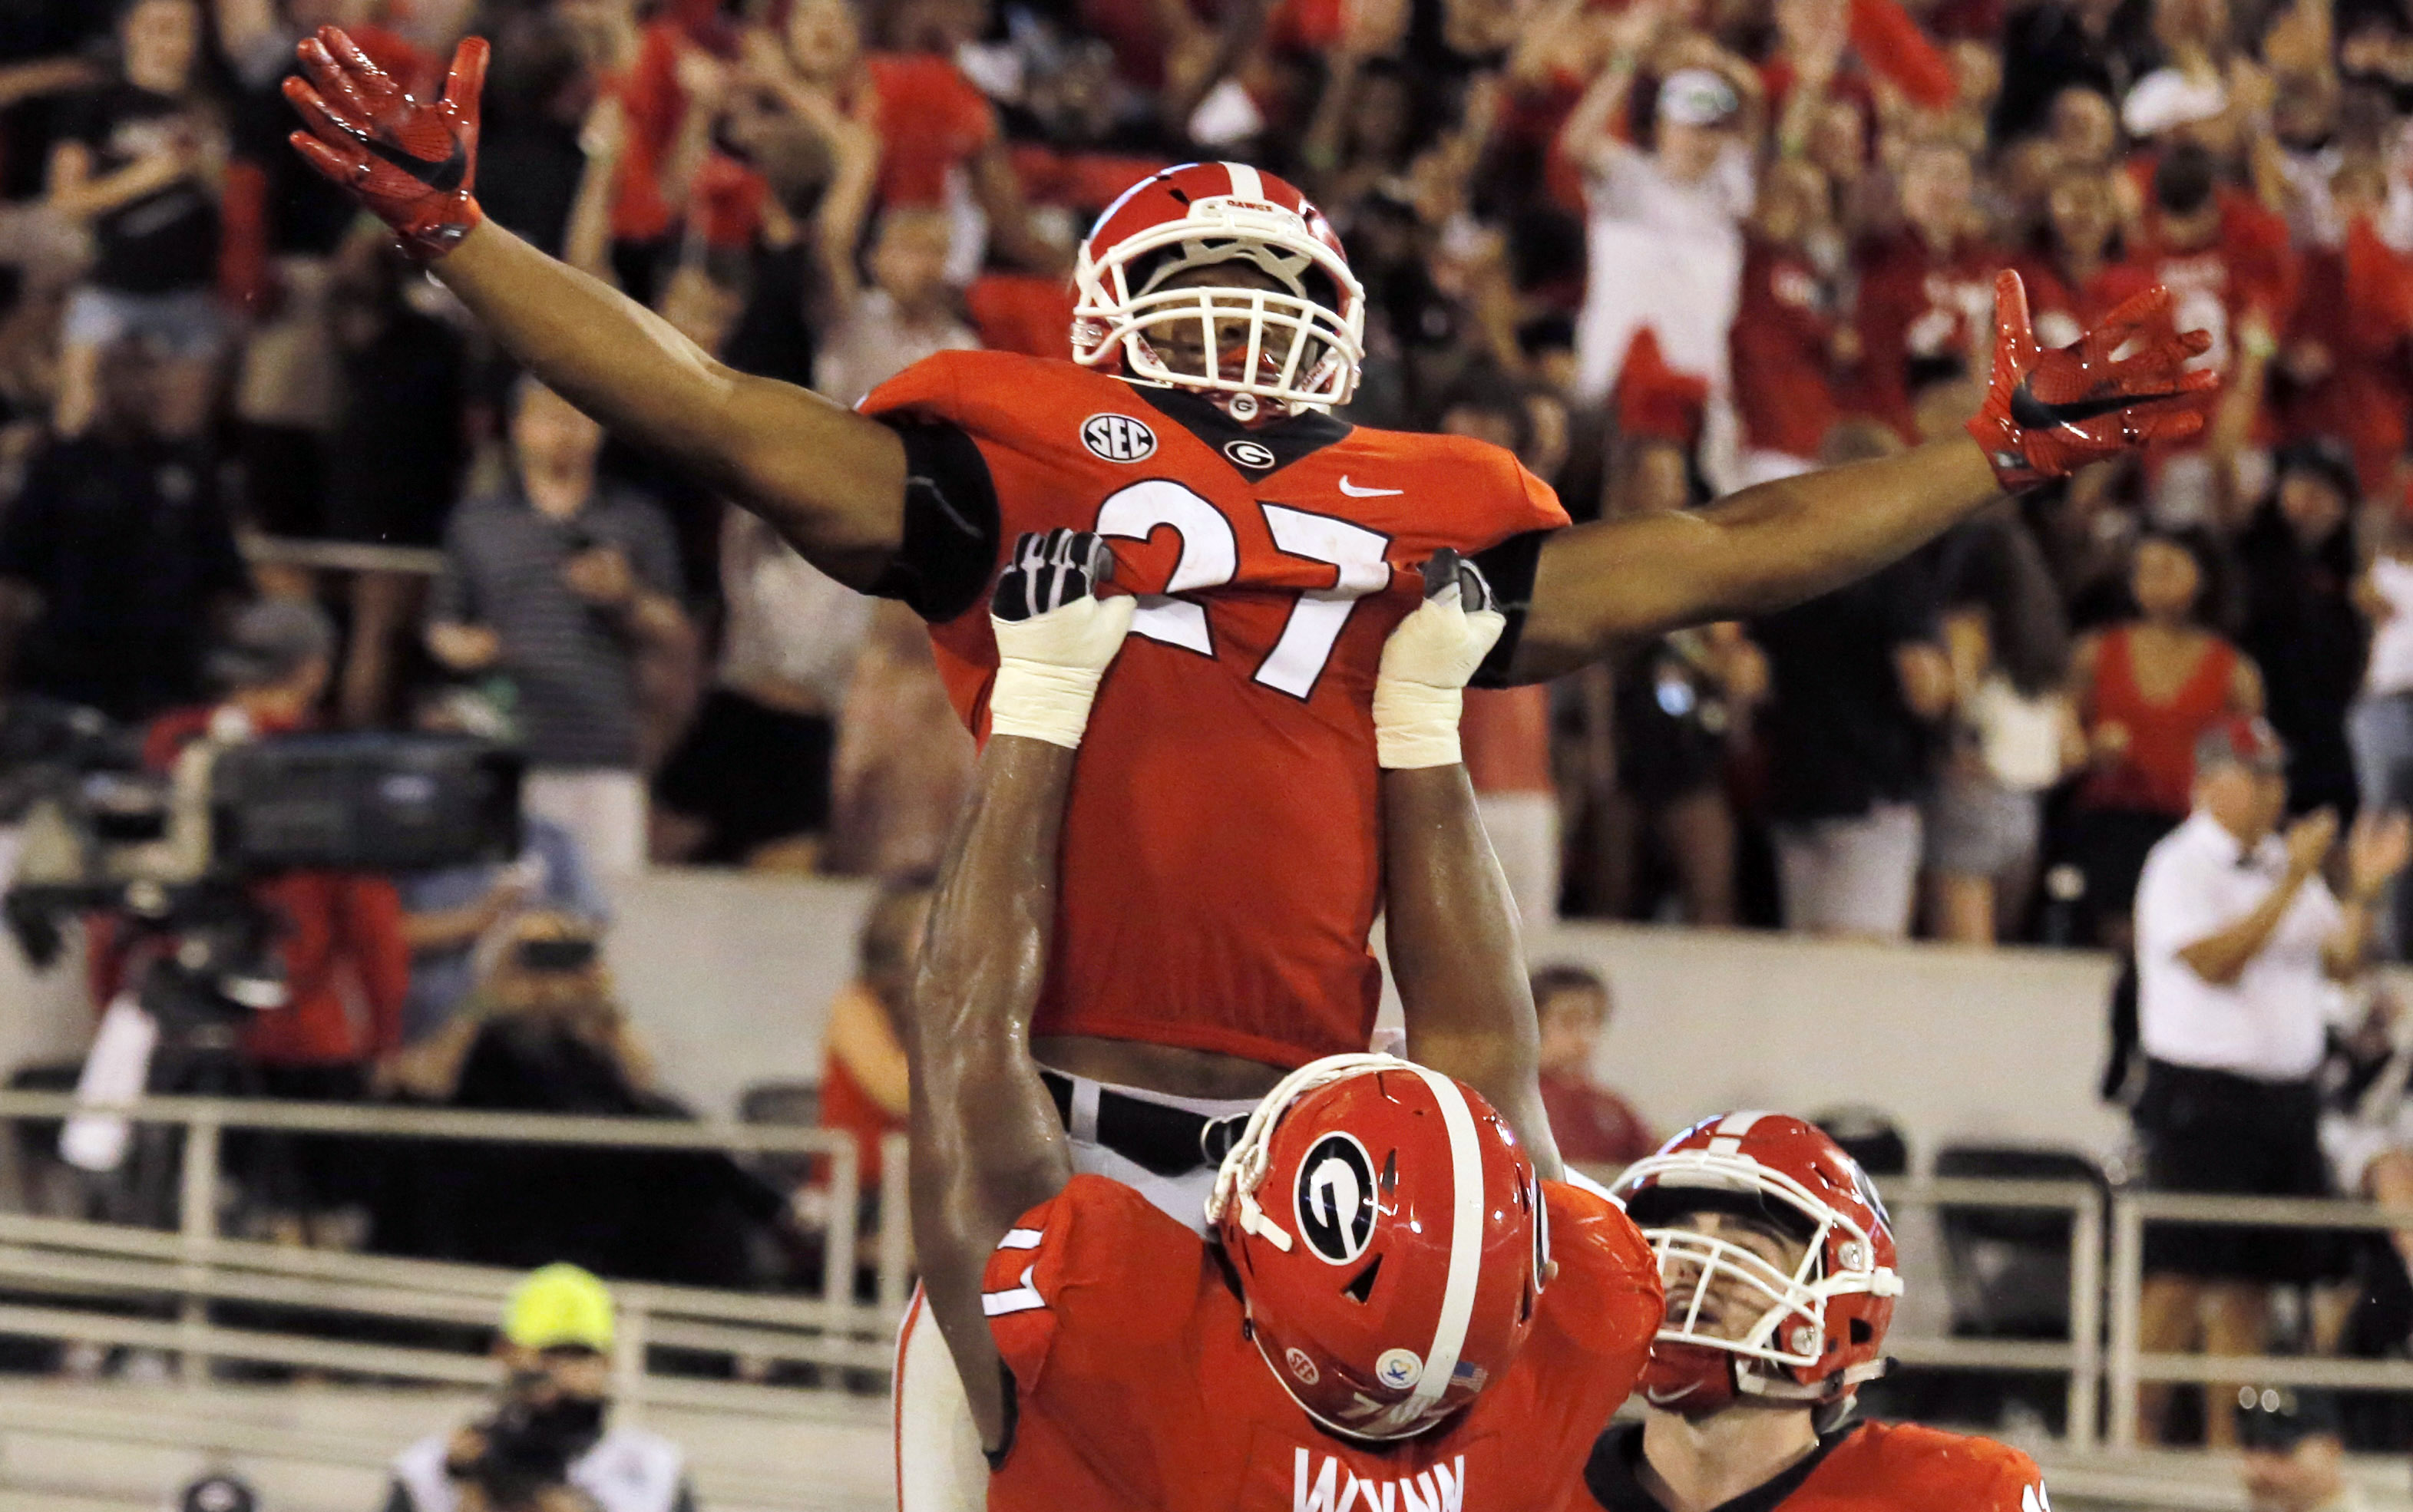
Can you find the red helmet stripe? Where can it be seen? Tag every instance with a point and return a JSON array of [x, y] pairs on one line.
[[1465, 1237]]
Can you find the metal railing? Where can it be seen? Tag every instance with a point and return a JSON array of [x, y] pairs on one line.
[[195, 1266], [2131, 1367]]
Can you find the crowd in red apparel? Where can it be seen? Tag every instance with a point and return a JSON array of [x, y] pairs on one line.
[[1662, 249]]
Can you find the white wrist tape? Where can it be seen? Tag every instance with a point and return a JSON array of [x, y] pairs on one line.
[[1425, 663], [1415, 725], [1049, 669]]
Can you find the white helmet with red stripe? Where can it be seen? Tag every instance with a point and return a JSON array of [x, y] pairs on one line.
[[1302, 342], [1819, 1328], [1390, 1242]]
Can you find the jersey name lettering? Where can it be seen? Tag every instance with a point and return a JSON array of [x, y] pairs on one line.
[[1337, 1488]]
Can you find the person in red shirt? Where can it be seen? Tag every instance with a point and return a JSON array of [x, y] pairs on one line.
[[1778, 1261], [1787, 344], [865, 1086], [1594, 1125], [1926, 289], [1390, 1302], [2074, 275], [341, 932], [2344, 352]]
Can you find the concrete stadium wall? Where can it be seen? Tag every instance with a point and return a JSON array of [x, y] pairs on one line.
[[729, 978]]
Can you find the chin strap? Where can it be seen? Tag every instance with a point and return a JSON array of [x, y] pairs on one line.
[[1244, 1168]]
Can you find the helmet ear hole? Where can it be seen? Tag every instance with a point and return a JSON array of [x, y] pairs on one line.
[[1390, 1179], [1361, 1287], [1862, 1332]]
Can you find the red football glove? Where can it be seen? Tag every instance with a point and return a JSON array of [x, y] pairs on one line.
[[410, 163], [2049, 414]]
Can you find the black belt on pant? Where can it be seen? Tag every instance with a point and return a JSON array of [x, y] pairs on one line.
[[1167, 1142]]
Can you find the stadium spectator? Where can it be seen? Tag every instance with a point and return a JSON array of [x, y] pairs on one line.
[[139, 162], [2296, 558], [2013, 732], [903, 763], [2380, 725], [2147, 688], [548, 1445], [1927, 289], [117, 561], [2237, 940], [544, 1033], [864, 1084], [906, 315], [1594, 1125], [1854, 680], [1665, 235], [749, 786], [345, 960], [1791, 350], [555, 583]]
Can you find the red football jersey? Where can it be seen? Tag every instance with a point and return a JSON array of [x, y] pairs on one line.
[[1222, 862], [1872, 1467], [1918, 304], [1784, 375], [1137, 1385]]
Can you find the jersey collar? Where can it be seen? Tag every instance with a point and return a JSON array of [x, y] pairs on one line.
[[1284, 441], [1609, 1473]]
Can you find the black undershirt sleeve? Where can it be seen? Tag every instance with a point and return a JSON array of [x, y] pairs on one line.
[[996, 1457], [951, 520], [1510, 569]]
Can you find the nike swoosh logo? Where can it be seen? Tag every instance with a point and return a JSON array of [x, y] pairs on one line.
[[1657, 1399], [2029, 413], [1356, 493], [442, 177]]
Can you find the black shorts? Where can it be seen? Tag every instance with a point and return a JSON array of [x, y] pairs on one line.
[[2214, 1132], [753, 773]]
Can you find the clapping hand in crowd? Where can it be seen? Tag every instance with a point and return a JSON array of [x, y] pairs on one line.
[[2376, 849]]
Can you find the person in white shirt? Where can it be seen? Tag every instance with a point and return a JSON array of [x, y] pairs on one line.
[[2380, 727], [2239, 941], [1665, 232]]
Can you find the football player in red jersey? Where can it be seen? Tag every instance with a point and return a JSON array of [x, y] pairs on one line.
[[1391, 1304], [1218, 328], [1778, 1263]]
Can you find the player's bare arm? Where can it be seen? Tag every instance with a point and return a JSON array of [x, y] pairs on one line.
[[987, 1145], [1452, 932], [831, 481], [2046, 415]]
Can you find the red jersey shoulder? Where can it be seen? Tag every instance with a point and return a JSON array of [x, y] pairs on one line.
[[1482, 489], [1093, 1273], [1904, 1467], [992, 393], [1605, 1271]]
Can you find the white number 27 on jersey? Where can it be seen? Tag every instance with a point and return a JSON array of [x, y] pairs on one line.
[[1210, 557]]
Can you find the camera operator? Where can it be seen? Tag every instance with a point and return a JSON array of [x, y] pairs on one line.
[[334, 928], [545, 1447]]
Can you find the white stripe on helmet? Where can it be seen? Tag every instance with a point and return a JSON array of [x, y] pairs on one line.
[[1465, 1238], [1247, 183]]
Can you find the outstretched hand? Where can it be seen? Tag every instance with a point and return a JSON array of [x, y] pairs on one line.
[[410, 163], [2124, 384]]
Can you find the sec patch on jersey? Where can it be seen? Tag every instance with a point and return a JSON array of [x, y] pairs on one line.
[[1118, 438]]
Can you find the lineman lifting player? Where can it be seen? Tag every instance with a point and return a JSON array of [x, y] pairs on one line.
[[1219, 325]]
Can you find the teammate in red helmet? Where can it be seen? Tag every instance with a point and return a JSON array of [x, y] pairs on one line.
[[1390, 1303], [1779, 1263]]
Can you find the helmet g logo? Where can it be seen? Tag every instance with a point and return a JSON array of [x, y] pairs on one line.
[[1336, 1198]]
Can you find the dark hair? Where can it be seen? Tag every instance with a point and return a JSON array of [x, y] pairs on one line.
[[1486, 391], [1995, 565], [2185, 179], [1564, 976], [2214, 608]]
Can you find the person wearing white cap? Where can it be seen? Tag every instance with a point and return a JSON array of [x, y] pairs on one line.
[[1664, 233]]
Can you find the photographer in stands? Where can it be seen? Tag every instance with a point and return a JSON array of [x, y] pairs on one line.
[[2237, 942], [545, 1447]]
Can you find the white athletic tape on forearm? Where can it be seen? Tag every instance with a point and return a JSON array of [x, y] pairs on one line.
[[1415, 725], [1049, 669]]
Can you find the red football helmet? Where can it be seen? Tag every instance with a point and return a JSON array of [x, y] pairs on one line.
[[1389, 1238], [1819, 1334], [1304, 342]]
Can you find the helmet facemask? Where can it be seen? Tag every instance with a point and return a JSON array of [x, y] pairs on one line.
[[1294, 346], [1786, 1349]]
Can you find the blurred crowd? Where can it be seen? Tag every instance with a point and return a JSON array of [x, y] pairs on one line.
[[1662, 249]]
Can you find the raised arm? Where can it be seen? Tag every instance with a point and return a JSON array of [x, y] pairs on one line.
[[1452, 923], [1763, 549], [987, 1146], [829, 480]]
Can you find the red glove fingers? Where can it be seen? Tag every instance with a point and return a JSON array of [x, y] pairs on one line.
[[412, 164], [2047, 414]]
